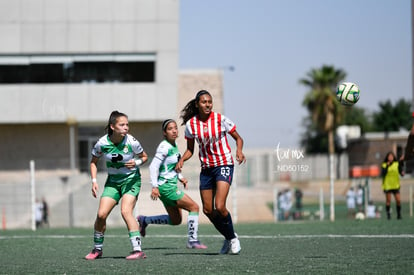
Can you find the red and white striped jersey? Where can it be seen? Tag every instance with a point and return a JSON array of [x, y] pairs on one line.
[[211, 136]]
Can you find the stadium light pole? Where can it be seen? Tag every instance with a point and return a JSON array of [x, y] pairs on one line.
[[412, 51], [222, 69], [331, 187]]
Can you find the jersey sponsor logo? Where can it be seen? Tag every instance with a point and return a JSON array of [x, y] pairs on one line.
[[211, 140], [116, 165], [116, 157]]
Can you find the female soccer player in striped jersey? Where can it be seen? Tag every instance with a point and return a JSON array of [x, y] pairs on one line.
[[210, 129], [164, 186], [123, 154]]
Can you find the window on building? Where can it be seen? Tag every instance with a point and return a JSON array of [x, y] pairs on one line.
[[77, 68]]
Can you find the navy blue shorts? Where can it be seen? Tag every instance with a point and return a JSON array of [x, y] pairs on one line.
[[210, 176]]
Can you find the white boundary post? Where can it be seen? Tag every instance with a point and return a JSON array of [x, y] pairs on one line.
[[275, 202], [411, 200], [321, 208], [33, 193]]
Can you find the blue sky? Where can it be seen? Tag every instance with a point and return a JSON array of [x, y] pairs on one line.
[[274, 43]]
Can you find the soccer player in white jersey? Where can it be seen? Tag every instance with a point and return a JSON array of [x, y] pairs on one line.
[[122, 154], [210, 129], [164, 186]]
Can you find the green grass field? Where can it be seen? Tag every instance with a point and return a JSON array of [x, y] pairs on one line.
[[311, 247]]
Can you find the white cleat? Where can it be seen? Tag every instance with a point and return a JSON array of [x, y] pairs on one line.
[[235, 245]]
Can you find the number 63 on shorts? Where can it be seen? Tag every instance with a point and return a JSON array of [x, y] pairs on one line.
[[209, 176]]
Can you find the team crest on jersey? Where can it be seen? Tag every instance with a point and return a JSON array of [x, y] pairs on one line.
[[205, 129], [178, 192], [125, 149]]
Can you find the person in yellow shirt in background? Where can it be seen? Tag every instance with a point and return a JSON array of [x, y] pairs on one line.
[[391, 171]]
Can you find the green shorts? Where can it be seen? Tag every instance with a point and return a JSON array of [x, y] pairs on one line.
[[170, 193], [116, 190]]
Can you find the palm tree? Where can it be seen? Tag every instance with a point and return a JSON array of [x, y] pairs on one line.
[[325, 110]]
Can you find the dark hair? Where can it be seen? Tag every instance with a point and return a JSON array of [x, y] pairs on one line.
[[166, 122], [112, 120], [190, 109], [393, 156]]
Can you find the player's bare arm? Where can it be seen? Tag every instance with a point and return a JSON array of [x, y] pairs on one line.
[[239, 143]]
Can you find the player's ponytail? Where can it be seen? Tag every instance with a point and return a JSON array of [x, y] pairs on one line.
[[112, 121]]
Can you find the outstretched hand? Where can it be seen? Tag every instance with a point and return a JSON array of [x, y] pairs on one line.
[[95, 188], [240, 157], [179, 166], [184, 181], [155, 193]]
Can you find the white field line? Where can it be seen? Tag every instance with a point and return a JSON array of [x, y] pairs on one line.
[[401, 236]]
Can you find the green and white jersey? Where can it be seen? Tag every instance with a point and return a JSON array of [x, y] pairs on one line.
[[162, 168], [117, 155]]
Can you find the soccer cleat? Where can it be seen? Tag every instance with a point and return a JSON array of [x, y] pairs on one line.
[[226, 247], [196, 245], [94, 254], [142, 225], [135, 255], [235, 245]]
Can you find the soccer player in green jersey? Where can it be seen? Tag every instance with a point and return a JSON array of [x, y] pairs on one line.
[[123, 154], [164, 186]]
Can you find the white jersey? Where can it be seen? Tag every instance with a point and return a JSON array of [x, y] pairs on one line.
[[360, 196], [162, 167], [211, 136], [371, 211], [117, 155], [350, 199]]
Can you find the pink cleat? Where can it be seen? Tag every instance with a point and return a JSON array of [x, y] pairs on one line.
[[95, 254], [196, 245], [135, 255]]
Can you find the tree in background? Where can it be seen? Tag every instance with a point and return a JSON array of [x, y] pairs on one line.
[[389, 118], [354, 115], [321, 102], [325, 111], [393, 117]]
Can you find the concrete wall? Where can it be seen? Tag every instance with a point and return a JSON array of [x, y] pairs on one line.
[[35, 117], [90, 27]]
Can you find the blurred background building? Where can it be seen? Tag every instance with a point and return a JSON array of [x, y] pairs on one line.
[[66, 64]]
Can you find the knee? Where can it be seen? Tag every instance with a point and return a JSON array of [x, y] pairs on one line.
[[101, 216], [207, 211], [221, 208]]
